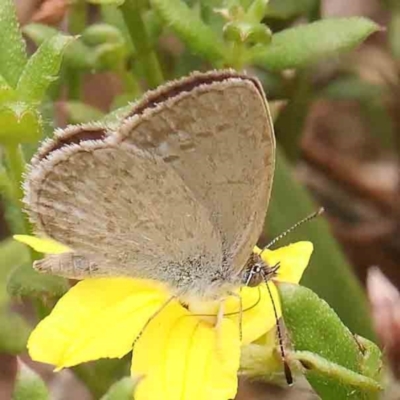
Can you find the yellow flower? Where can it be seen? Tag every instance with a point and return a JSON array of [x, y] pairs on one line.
[[182, 353]]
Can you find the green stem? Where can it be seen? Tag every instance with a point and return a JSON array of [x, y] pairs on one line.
[[74, 80], [77, 17], [77, 21], [132, 14], [291, 120], [237, 53], [131, 84], [16, 169]]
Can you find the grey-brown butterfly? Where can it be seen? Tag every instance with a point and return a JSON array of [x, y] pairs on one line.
[[177, 192]]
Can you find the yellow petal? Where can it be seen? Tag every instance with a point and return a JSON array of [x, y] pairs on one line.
[[41, 245], [293, 260], [184, 358], [97, 318], [258, 316]]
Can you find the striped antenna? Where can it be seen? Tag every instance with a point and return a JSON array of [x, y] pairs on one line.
[[292, 228]]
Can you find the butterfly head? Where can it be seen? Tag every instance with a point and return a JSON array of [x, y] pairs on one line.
[[257, 271]]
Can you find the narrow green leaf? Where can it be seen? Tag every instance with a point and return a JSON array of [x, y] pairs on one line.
[[102, 33], [42, 68], [20, 122], [39, 33], [14, 333], [314, 327], [198, 36], [77, 55], [12, 46], [289, 203], [306, 44], [257, 10], [29, 385], [25, 281], [122, 390]]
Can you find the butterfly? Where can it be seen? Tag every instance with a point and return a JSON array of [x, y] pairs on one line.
[[176, 192]]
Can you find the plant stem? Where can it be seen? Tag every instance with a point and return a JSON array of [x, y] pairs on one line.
[[291, 120], [237, 52], [16, 169], [76, 24], [132, 14], [77, 17], [74, 80], [131, 85]]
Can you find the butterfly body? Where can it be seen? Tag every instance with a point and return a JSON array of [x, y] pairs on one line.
[[177, 193]]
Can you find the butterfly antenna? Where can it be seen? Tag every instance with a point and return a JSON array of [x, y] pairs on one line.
[[292, 228], [286, 368]]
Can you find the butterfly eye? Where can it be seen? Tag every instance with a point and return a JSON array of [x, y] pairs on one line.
[[252, 276]]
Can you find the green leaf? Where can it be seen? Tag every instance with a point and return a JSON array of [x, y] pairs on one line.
[[42, 68], [291, 202], [39, 33], [333, 358], [102, 33], [12, 255], [80, 113], [14, 333], [245, 32], [29, 385], [20, 122], [257, 10], [77, 55], [320, 371], [372, 364], [306, 44], [198, 36], [25, 281], [12, 46], [7, 93], [122, 390]]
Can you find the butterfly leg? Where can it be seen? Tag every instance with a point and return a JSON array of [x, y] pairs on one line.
[[151, 319], [239, 297]]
